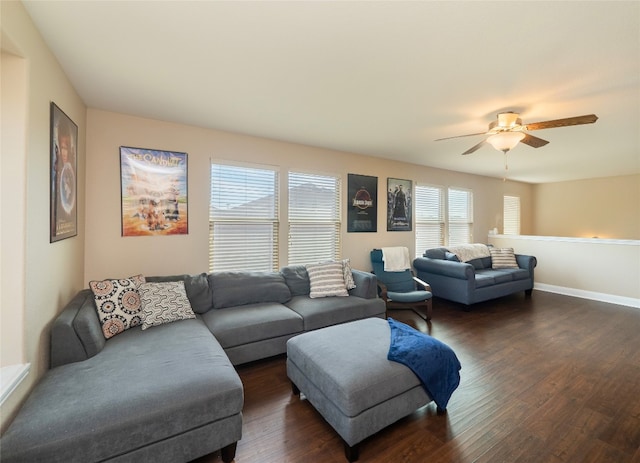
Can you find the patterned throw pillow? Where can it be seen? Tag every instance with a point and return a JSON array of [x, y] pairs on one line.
[[326, 279], [348, 275], [503, 258], [118, 304], [164, 303]]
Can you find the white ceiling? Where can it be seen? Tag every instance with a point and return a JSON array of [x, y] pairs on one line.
[[379, 78]]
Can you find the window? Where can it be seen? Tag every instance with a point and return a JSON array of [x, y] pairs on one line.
[[511, 224], [429, 218], [460, 218], [243, 218], [314, 218]]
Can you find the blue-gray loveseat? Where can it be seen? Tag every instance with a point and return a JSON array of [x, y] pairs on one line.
[[474, 280], [169, 393]]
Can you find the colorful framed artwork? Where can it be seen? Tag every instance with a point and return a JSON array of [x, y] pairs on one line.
[[63, 182], [154, 192], [363, 203], [399, 204]]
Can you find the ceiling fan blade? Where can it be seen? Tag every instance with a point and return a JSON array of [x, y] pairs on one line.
[[475, 147], [578, 120], [460, 136], [532, 141]]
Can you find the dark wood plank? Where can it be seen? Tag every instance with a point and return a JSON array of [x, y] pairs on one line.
[[549, 378]]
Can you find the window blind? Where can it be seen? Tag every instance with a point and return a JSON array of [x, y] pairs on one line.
[[243, 218], [314, 218], [511, 211], [429, 203], [460, 216]]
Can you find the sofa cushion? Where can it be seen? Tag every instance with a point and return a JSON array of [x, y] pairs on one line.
[[477, 264], [519, 273], [231, 289], [321, 312], [164, 303], [484, 279], [503, 258], [118, 304], [197, 288], [297, 279], [498, 276], [451, 256], [326, 279], [235, 326], [436, 253]]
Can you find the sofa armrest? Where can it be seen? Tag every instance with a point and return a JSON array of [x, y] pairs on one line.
[[526, 262], [459, 270], [366, 285], [76, 333]]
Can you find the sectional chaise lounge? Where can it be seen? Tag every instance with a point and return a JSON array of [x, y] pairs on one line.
[[167, 390]]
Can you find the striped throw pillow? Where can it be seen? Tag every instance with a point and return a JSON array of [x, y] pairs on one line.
[[326, 279], [348, 274], [503, 258]]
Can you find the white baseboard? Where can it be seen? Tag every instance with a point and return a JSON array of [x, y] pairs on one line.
[[602, 297], [10, 377]]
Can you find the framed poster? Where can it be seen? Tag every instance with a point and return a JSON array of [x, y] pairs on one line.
[[63, 183], [153, 192], [362, 209], [399, 204]]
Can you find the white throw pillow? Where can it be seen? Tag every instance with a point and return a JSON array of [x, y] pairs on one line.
[[164, 302], [326, 279], [503, 258]]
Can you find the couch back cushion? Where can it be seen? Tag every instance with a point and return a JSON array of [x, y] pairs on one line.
[[198, 290], [435, 253], [297, 279], [480, 263], [241, 288]]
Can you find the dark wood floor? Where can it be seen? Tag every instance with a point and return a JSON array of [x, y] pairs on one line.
[[547, 379]]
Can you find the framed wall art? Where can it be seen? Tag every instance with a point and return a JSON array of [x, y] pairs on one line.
[[63, 182], [154, 192], [399, 204], [363, 203]]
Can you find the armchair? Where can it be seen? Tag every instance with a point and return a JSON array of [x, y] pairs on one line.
[[399, 290]]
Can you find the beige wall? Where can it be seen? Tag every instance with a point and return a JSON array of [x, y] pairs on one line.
[[13, 170], [108, 254], [52, 273], [600, 269], [602, 207]]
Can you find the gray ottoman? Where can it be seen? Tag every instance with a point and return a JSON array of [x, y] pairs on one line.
[[344, 373]]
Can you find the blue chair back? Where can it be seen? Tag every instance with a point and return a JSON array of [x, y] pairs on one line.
[[398, 282]]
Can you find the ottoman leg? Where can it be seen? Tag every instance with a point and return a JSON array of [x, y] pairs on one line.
[[351, 452]]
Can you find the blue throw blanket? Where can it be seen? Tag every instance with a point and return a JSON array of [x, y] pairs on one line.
[[431, 360]]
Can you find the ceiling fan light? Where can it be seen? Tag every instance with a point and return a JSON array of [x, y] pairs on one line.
[[505, 141]]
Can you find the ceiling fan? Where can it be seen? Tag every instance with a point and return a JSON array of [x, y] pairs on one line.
[[507, 131]]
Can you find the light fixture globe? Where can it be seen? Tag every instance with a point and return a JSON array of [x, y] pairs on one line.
[[505, 141]]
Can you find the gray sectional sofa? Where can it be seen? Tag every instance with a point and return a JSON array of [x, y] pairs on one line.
[[475, 280], [169, 393]]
